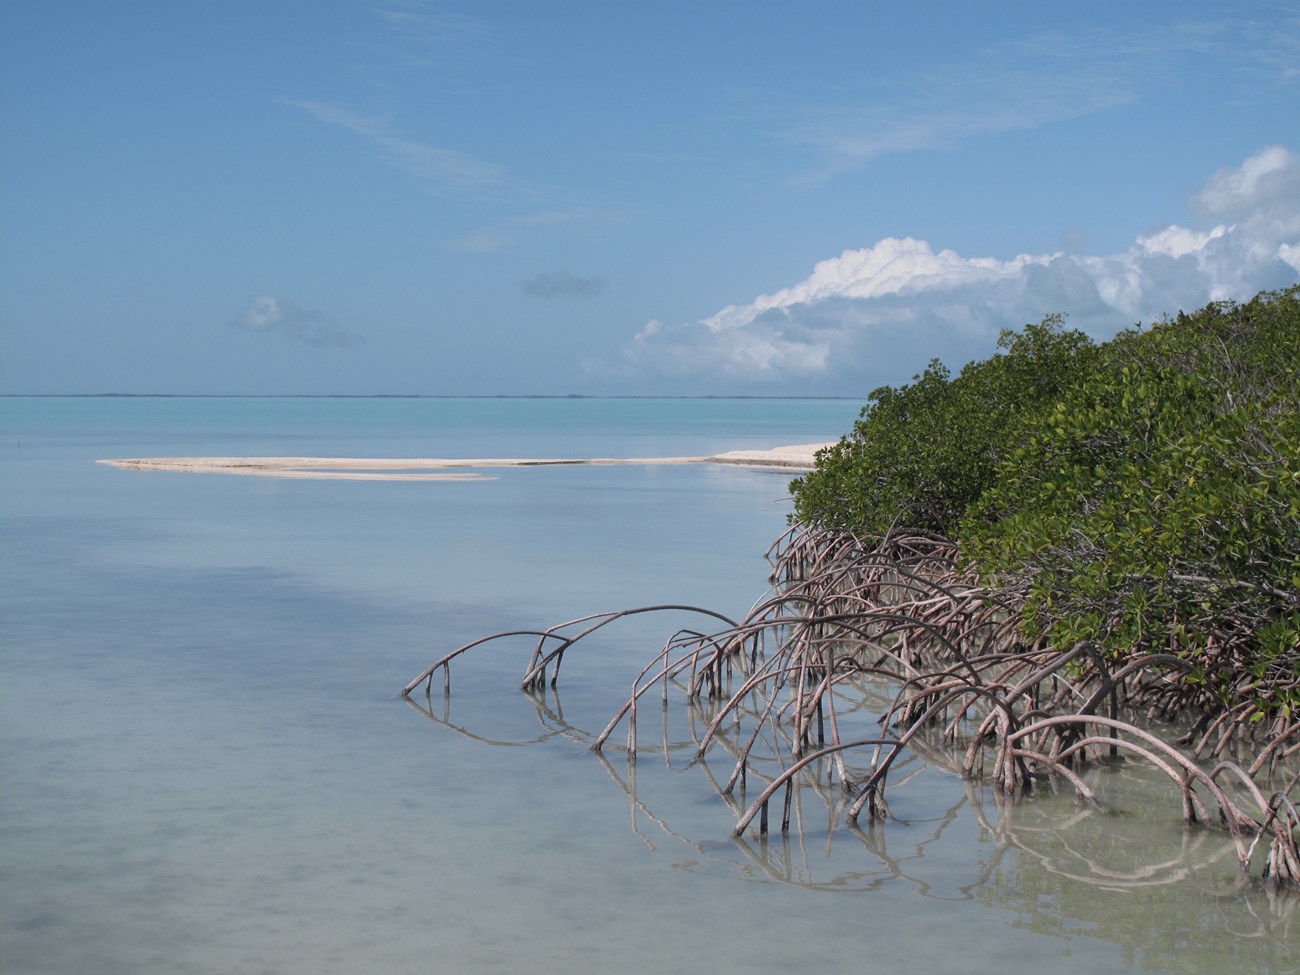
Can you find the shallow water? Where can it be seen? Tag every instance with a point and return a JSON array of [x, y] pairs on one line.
[[205, 767]]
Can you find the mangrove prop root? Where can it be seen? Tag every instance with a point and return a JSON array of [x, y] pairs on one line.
[[895, 624]]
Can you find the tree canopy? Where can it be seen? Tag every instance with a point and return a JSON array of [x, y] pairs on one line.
[[921, 454], [1140, 494]]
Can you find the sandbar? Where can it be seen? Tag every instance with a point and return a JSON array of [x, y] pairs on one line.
[[795, 457]]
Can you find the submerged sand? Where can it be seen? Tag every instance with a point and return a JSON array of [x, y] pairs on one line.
[[796, 457]]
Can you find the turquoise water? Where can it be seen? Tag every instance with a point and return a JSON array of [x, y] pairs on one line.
[[205, 766]]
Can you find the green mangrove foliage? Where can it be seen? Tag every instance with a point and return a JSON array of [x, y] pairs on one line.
[[1156, 505], [1142, 495], [922, 454]]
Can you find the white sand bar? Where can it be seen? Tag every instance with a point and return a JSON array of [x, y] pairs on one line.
[[797, 457]]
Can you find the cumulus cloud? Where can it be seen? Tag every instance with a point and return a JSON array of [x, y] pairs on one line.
[[269, 314], [868, 313], [1270, 177], [562, 284]]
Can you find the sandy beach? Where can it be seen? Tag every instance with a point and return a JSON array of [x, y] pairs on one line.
[[794, 457]]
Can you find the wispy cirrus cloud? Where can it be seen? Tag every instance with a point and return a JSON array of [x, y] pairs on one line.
[[438, 168], [1024, 84], [423, 45], [865, 316], [273, 315], [942, 111], [418, 50]]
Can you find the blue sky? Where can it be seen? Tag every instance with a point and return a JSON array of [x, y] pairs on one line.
[[592, 197]]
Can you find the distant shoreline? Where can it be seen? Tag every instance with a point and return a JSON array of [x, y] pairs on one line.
[[530, 396], [795, 457]]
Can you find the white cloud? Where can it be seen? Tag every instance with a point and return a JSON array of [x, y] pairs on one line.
[[269, 314], [875, 314], [262, 312], [1270, 177], [1291, 254]]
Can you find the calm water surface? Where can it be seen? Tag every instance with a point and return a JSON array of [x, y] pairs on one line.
[[205, 767]]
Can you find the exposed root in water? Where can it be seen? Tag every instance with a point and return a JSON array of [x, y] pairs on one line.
[[891, 627]]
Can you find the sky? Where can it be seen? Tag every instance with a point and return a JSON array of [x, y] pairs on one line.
[[671, 198]]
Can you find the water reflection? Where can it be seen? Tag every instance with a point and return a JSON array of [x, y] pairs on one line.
[[1127, 873], [443, 716]]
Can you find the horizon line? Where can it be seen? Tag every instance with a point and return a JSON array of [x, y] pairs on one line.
[[405, 396]]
